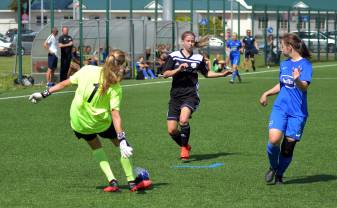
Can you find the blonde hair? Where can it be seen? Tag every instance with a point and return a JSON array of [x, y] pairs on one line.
[[113, 70]]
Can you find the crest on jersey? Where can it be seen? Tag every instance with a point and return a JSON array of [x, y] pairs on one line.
[[194, 65]]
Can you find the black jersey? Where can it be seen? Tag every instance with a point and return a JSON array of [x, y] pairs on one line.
[[185, 82], [249, 42], [66, 51]]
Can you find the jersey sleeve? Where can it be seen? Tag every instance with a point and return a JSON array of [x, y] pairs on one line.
[[61, 39], [75, 77], [306, 73], [169, 64], [203, 67], [48, 39], [115, 99]]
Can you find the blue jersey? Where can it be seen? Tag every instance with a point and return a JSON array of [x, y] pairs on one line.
[[291, 99], [249, 42], [234, 46]]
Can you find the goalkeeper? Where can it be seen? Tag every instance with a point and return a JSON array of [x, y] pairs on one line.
[[95, 111]]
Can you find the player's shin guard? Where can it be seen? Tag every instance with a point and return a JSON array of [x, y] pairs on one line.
[[273, 151], [253, 65], [128, 170], [286, 156], [177, 138], [185, 134], [101, 157], [234, 74]]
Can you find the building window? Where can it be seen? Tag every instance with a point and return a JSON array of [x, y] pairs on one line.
[[68, 17], [262, 22], [120, 17], [283, 24], [302, 24], [38, 20], [320, 24]]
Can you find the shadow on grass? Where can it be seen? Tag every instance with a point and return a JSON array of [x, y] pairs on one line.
[[126, 187], [312, 179], [201, 157]]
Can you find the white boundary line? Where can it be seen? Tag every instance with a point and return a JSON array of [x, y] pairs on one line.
[[169, 81]]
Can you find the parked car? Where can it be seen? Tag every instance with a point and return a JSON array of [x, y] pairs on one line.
[[6, 51], [317, 38], [6, 48], [12, 32], [215, 42], [26, 42]]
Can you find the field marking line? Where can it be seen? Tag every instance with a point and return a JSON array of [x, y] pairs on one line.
[[169, 81]]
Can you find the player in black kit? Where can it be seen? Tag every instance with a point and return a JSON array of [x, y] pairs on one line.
[[183, 66]]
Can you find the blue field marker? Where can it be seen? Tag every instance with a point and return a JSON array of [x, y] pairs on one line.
[[214, 165]]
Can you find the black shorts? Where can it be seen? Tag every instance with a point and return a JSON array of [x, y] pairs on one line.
[[175, 105], [52, 61], [110, 133], [249, 54]]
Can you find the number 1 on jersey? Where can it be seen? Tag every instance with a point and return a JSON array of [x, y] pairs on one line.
[[96, 85]]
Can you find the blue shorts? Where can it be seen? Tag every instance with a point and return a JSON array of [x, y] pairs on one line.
[[291, 126], [52, 61], [235, 59]]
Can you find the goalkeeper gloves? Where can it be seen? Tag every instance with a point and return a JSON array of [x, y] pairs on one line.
[[125, 148], [37, 96]]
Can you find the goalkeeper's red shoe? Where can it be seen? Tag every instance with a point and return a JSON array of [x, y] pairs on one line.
[[113, 187], [185, 152], [142, 185]]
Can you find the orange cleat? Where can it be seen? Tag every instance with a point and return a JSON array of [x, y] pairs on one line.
[[185, 152], [142, 185], [113, 187]]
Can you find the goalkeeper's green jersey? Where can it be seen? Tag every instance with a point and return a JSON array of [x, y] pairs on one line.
[[90, 111]]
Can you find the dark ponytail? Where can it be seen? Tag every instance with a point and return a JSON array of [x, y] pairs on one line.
[[202, 42], [297, 44]]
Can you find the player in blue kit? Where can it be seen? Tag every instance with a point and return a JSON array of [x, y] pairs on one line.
[[289, 112], [235, 47]]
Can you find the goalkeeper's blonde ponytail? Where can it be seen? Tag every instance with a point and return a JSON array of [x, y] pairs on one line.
[[113, 70]]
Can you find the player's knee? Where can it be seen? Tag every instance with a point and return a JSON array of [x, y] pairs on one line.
[[287, 148], [183, 122], [172, 131]]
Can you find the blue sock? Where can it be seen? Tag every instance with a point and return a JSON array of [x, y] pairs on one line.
[[283, 164], [151, 73], [234, 75], [273, 152], [145, 74]]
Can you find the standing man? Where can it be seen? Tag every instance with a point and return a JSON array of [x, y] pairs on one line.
[[250, 45], [51, 45], [66, 44]]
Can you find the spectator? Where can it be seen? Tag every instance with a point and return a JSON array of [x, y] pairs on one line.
[[141, 66], [51, 45], [270, 50], [65, 43], [218, 64], [75, 62]]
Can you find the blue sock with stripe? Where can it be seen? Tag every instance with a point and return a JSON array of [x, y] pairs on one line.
[[273, 152]]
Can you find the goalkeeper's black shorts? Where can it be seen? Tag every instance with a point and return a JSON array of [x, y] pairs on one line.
[[110, 133]]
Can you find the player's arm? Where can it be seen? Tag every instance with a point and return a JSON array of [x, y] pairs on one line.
[[302, 85], [125, 148], [212, 74], [209, 73], [270, 92], [171, 73], [38, 96]]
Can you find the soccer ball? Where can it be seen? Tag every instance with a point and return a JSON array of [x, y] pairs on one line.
[[142, 174]]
